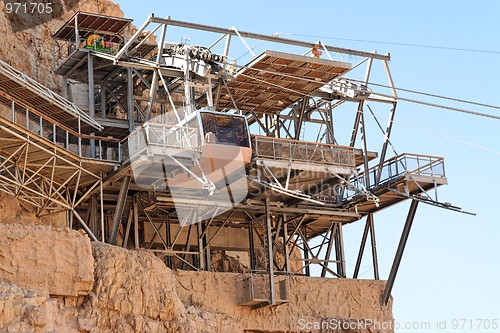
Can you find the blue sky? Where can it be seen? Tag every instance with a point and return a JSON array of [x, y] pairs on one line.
[[450, 269]]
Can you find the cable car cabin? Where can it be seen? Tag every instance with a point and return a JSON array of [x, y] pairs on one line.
[[225, 149], [224, 131]]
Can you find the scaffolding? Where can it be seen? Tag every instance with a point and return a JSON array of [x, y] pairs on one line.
[[113, 161]]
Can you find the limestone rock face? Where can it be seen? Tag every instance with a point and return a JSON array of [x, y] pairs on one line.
[[23, 310], [13, 211], [55, 261], [131, 289]]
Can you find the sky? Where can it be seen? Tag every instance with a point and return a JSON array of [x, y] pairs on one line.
[[450, 270]]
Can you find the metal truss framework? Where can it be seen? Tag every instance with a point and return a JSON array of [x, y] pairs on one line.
[[291, 224]]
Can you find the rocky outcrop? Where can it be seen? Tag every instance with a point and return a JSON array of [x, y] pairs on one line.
[[47, 260], [133, 291], [13, 211]]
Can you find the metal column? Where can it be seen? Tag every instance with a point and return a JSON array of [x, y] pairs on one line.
[[374, 247], [91, 98], [120, 205], [270, 254], [130, 99], [399, 252]]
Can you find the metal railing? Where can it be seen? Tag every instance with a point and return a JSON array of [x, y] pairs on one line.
[[62, 50], [302, 151], [73, 141], [399, 166], [101, 148], [162, 136]]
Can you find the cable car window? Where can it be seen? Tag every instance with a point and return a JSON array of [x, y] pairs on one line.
[[225, 130], [239, 124], [209, 127]]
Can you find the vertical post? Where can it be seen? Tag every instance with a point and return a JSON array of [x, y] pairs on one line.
[[365, 149], [136, 223], [77, 33], [360, 105], [91, 98], [54, 133], [161, 42], [168, 240], [103, 101], [187, 247], [208, 258], [306, 253], [79, 137], [399, 252], [93, 215], [210, 100], [13, 111], [102, 211], [130, 100], [361, 249], [187, 81], [374, 247], [120, 205], [300, 119], [227, 45], [100, 149], [64, 84], [331, 241], [127, 230], [339, 250], [252, 246], [285, 246], [152, 95], [199, 229], [387, 136], [270, 255]]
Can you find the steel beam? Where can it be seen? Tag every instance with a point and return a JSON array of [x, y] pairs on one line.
[[306, 252], [130, 99], [91, 98], [201, 263], [387, 141], [270, 254], [252, 246], [399, 253], [331, 241], [299, 121], [339, 251], [135, 36], [361, 250], [127, 230], [374, 247], [360, 106], [274, 39], [120, 205]]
